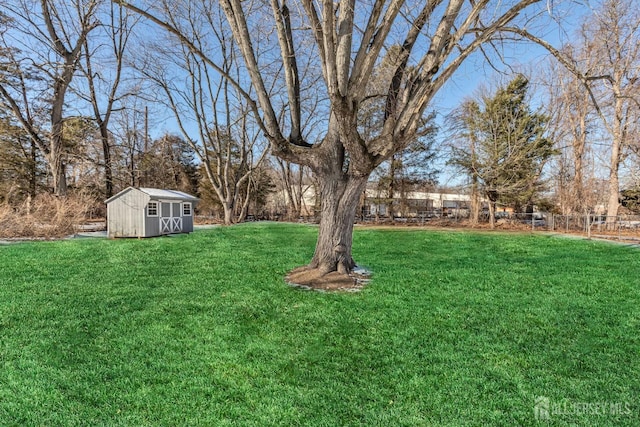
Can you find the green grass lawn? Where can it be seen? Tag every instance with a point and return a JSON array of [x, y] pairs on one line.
[[456, 328]]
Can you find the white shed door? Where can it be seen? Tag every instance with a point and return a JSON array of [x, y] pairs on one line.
[[170, 218]]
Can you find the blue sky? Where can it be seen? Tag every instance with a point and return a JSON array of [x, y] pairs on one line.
[[476, 72]]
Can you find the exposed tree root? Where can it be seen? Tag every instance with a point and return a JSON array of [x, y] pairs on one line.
[[310, 278]]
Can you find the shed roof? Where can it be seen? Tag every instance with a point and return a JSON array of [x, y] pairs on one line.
[[158, 193]]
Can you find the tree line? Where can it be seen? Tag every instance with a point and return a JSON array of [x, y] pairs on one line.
[[260, 93]]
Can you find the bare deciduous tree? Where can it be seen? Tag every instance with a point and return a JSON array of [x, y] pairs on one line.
[[47, 36], [607, 62], [20, 166], [226, 140], [131, 137], [571, 123], [435, 37], [294, 185], [612, 39], [103, 68]]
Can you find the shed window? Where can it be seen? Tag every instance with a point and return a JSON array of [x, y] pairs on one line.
[[186, 209], [152, 209]]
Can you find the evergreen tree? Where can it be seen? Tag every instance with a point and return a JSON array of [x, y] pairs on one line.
[[22, 171], [502, 146], [169, 162]]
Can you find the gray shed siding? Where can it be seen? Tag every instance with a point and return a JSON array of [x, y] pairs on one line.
[[187, 222], [152, 225], [126, 215]]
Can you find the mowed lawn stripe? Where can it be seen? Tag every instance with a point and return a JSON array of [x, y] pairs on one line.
[[456, 328]]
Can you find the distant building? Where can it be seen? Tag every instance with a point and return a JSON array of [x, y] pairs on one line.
[[149, 212], [415, 204], [373, 203]]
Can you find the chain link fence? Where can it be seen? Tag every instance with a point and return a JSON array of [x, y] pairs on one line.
[[621, 227]]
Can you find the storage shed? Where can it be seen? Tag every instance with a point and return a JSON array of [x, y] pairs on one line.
[[149, 212]]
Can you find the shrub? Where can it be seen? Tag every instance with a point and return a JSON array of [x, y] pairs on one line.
[[46, 216]]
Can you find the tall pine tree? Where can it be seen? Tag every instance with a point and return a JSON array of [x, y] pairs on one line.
[[502, 146]]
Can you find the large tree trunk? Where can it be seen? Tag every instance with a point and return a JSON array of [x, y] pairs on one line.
[[340, 195], [227, 209]]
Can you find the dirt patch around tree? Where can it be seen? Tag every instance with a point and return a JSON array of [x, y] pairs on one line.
[[312, 279]]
